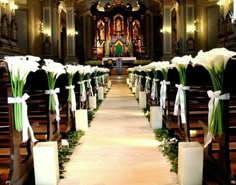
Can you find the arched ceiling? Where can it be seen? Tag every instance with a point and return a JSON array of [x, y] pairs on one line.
[[82, 6]]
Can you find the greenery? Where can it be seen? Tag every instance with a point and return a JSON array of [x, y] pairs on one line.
[[147, 112], [64, 152], [91, 115], [169, 147]]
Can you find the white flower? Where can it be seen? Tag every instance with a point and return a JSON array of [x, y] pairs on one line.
[[21, 66], [215, 59], [87, 69], [184, 60], [80, 69], [55, 68], [71, 69]]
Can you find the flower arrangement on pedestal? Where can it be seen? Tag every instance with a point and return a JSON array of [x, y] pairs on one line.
[[19, 67], [71, 70], [53, 71], [88, 71], [164, 68], [181, 64], [214, 61], [82, 89]]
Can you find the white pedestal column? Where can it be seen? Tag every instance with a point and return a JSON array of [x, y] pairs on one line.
[[81, 119], [92, 102], [100, 93], [156, 117], [190, 163], [127, 81], [109, 84], [46, 166], [134, 90], [142, 99], [137, 92], [130, 85]]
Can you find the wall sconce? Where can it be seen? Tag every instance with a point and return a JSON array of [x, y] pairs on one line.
[[166, 30], [4, 2], [71, 32], [13, 7], [41, 27], [221, 2], [47, 32], [191, 28]]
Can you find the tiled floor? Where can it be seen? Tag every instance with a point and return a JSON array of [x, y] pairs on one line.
[[119, 148]]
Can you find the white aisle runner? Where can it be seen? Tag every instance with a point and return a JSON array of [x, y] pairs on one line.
[[119, 148]]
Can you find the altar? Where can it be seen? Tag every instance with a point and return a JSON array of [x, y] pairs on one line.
[[118, 62], [125, 59], [118, 30]]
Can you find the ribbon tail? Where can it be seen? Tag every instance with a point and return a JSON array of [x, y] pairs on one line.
[[91, 89], [73, 100], [56, 106], [26, 126], [208, 139]]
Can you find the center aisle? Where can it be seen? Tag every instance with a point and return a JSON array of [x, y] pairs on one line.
[[120, 147]]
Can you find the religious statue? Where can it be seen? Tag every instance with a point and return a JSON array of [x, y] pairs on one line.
[[107, 48], [101, 30], [118, 25]]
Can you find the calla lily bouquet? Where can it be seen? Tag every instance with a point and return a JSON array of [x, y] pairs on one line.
[[82, 73], [181, 64], [53, 71], [71, 70], [164, 67], [19, 67], [214, 61]]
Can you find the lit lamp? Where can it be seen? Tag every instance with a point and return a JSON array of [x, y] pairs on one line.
[[4, 2], [234, 12], [13, 7]]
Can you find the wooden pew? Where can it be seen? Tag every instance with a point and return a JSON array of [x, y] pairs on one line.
[[45, 127], [16, 162], [170, 121]]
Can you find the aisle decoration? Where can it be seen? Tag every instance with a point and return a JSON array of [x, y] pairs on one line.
[[81, 71], [181, 64], [88, 71], [53, 71], [214, 61], [155, 80], [163, 67], [19, 67], [71, 70]]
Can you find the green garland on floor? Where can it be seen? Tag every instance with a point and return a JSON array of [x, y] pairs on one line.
[[169, 147], [64, 152], [91, 115], [146, 112]]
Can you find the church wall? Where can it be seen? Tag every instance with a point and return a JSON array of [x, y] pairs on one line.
[[201, 9], [34, 27]]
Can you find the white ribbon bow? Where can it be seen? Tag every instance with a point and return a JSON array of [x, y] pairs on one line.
[[212, 104], [154, 89], [147, 83], [83, 95], [163, 93], [103, 79], [25, 120], [136, 80], [180, 100], [90, 87], [54, 93], [73, 99], [139, 80]]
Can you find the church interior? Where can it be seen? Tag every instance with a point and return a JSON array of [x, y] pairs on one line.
[[119, 40]]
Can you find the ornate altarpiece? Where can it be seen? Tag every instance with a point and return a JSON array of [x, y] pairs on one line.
[[118, 29]]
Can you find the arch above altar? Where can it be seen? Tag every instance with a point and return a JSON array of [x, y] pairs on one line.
[[118, 29]]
